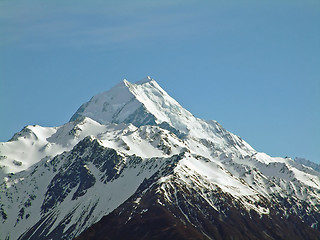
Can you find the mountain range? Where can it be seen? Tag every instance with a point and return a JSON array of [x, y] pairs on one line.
[[132, 163]]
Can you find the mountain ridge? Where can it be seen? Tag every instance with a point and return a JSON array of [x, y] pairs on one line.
[[135, 143]]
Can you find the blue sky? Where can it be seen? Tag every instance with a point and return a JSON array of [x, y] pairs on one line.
[[254, 66]]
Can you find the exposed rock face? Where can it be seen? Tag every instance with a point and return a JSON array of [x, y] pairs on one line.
[[134, 164], [182, 213]]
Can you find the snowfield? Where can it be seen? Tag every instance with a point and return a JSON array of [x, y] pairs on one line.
[[58, 181]]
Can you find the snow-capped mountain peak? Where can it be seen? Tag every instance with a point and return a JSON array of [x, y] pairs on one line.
[[141, 102], [145, 80], [134, 155], [146, 103]]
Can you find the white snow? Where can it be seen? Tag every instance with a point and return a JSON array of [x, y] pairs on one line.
[[117, 104], [215, 174], [213, 158], [39, 142]]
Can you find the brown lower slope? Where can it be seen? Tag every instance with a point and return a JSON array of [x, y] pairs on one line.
[[190, 216]]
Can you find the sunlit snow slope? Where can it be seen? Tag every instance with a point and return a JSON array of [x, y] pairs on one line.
[[135, 140]]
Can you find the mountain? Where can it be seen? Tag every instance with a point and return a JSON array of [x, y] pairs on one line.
[[132, 163], [308, 163]]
